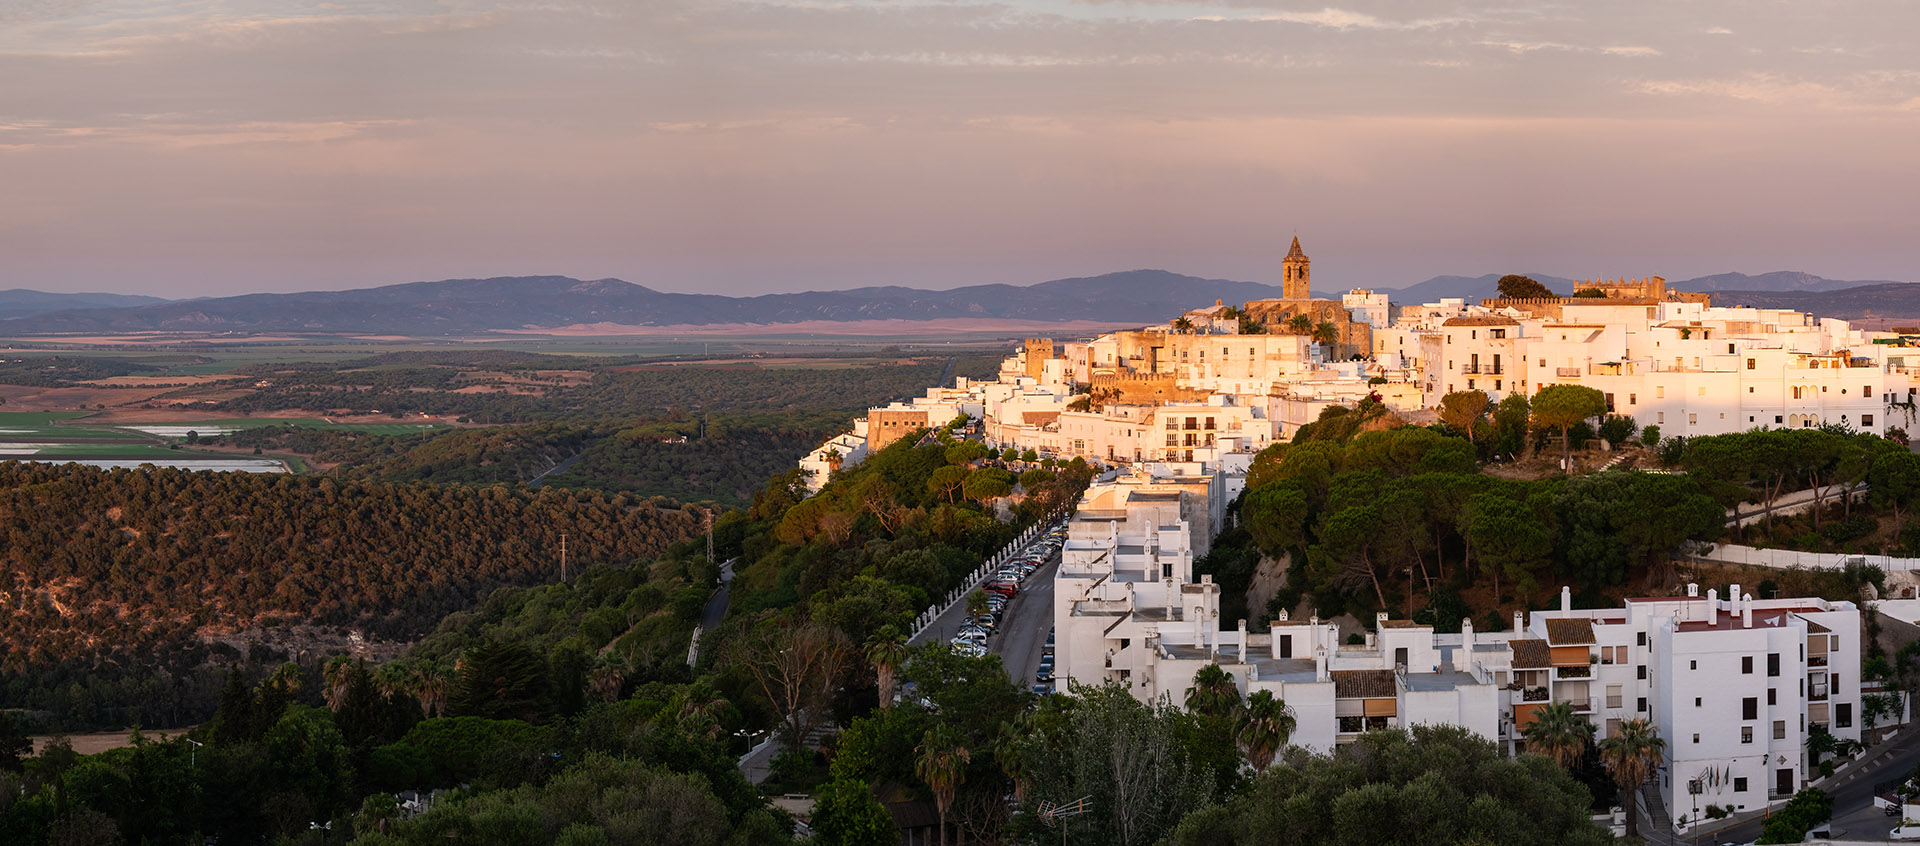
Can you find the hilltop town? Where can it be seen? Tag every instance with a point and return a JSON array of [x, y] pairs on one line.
[[1177, 418]]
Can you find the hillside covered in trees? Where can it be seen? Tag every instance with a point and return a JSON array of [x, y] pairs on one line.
[[128, 572]]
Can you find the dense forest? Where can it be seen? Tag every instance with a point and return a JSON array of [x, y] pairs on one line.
[[690, 431], [111, 575], [512, 390]]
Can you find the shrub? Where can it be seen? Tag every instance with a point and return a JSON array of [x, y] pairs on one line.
[[1650, 437]]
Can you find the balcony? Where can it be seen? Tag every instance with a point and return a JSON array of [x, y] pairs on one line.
[[1583, 671], [1482, 369], [1566, 371], [1816, 660], [1533, 694]]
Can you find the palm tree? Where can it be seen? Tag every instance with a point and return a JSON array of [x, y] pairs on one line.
[[977, 603], [391, 678], [1327, 334], [1009, 751], [1632, 755], [1265, 726], [1559, 733], [942, 764], [430, 682], [334, 675], [886, 650], [609, 677], [1182, 324], [1214, 693]]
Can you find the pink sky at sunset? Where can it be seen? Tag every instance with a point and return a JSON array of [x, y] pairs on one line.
[[224, 146]]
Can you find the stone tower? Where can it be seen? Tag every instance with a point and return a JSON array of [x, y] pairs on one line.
[[1296, 274]]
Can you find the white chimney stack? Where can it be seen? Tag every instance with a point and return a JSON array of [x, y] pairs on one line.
[[1566, 598], [1713, 606], [1733, 600], [1693, 589], [1466, 641], [1746, 610], [1519, 624], [1320, 664]]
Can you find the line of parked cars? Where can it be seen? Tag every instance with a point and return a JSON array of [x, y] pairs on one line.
[[1003, 587]]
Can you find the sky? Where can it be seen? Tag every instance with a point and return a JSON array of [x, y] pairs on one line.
[[212, 147]]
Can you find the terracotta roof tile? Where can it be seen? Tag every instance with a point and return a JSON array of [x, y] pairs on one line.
[[1531, 654], [1363, 684], [1572, 631]]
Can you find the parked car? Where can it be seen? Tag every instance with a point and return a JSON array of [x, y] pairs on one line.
[[1044, 674]]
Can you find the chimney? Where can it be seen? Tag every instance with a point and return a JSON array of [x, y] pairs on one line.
[[1566, 598], [1466, 640], [1320, 665], [1519, 623], [1283, 615], [1693, 589], [1313, 634], [1733, 600], [1243, 638], [1713, 606], [1746, 611]]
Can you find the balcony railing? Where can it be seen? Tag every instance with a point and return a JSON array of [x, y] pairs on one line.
[[1583, 671], [1566, 371], [1533, 694], [1486, 369], [1816, 660]]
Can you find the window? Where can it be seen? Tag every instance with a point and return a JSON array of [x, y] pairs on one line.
[[1640, 638], [1779, 729], [1778, 419], [1773, 664], [1693, 665], [1643, 705], [1739, 784], [1750, 708], [1746, 734], [1696, 737], [1746, 665], [1843, 715], [1866, 420], [1633, 399], [1613, 696], [1642, 671], [1696, 702], [1659, 392], [1772, 696], [1749, 364], [1692, 419], [1659, 417]]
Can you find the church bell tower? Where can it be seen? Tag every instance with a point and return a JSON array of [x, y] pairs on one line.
[[1295, 274]]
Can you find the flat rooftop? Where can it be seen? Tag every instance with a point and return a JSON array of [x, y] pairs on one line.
[[1443, 680]]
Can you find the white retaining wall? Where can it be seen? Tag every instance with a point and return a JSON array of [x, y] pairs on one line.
[[1784, 558]]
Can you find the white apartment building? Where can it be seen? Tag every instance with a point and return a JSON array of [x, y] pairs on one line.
[[843, 450], [1734, 686]]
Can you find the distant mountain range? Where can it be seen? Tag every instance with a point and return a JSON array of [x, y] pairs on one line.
[[20, 302], [472, 306]]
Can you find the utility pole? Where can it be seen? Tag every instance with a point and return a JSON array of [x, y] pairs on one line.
[[563, 556]]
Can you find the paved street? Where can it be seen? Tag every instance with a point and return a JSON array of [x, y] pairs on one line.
[[1854, 817], [1024, 635], [1023, 631]]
